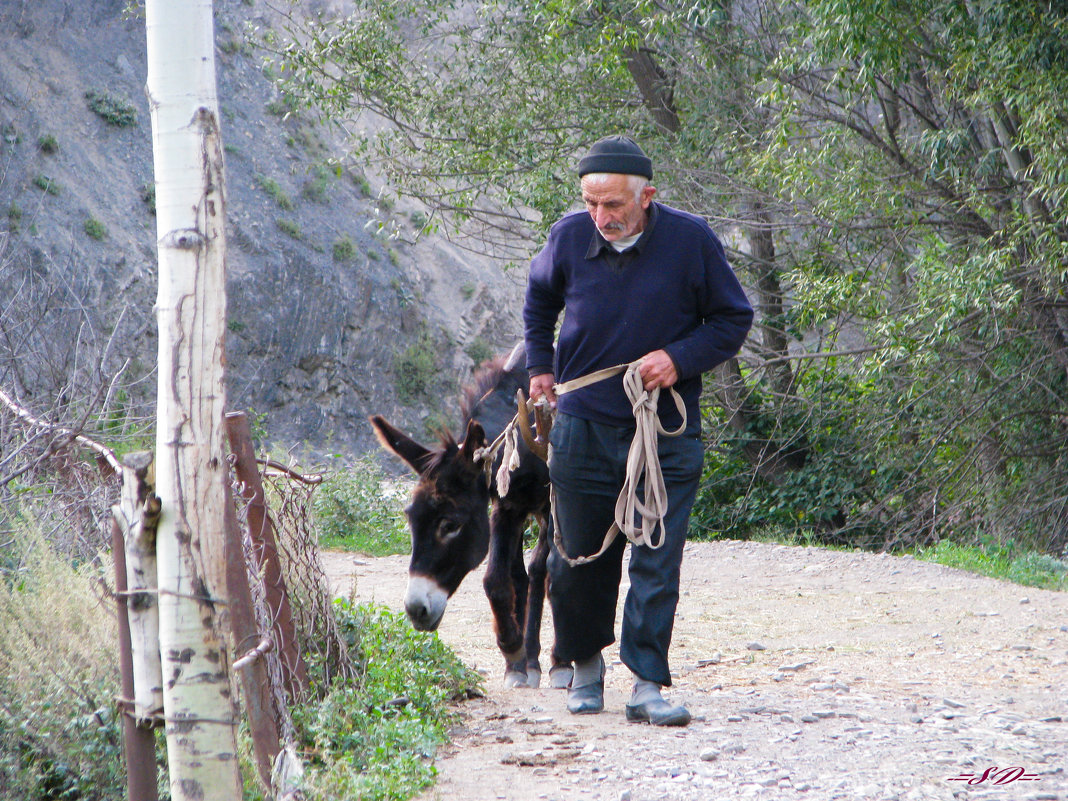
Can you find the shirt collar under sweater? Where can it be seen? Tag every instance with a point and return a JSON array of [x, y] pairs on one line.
[[599, 245]]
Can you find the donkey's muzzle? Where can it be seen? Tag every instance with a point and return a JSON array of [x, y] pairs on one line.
[[425, 602]]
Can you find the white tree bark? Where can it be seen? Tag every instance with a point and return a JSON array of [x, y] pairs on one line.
[[138, 516], [190, 456]]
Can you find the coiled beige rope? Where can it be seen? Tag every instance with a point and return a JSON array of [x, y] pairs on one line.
[[643, 465]]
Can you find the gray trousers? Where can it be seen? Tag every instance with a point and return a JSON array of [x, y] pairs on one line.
[[587, 466]]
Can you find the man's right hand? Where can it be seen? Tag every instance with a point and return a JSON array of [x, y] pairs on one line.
[[542, 386]]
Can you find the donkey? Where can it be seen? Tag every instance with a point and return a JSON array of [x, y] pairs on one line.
[[452, 532]]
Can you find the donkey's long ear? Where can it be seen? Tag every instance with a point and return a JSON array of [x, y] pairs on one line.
[[474, 439], [396, 441]]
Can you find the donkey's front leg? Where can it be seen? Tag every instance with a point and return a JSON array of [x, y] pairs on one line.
[[505, 531], [559, 672]]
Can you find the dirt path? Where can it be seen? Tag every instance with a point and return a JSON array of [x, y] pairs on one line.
[[811, 674]]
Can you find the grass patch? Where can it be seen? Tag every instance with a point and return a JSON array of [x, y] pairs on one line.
[[353, 513], [59, 728], [479, 350], [317, 187], [290, 228], [95, 229], [113, 110], [148, 197], [361, 183], [48, 144], [415, 370], [344, 249], [277, 193], [279, 107], [46, 184], [1006, 561], [375, 738]]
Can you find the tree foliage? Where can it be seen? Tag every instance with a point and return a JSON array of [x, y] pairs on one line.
[[889, 176]]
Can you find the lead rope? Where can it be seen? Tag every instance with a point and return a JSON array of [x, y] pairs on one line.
[[643, 462]]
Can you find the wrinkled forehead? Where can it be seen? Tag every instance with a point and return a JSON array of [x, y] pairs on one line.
[[603, 186]]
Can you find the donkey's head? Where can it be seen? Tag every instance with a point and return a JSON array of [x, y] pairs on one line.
[[447, 516]]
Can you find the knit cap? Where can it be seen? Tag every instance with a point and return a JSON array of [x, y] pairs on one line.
[[616, 154]]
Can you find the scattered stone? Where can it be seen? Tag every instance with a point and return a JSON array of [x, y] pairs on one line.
[[734, 747], [824, 713], [755, 646], [796, 666], [709, 755], [809, 719], [1025, 600], [953, 704], [626, 795]]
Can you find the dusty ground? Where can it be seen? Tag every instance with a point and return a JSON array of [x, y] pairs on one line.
[[811, 674]]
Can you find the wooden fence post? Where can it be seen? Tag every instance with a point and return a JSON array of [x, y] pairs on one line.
[[250, 666], [265, 547], [139, 742]]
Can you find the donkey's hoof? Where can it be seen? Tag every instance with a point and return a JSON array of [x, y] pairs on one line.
[[515, 678], [560, 676], [533, 678]]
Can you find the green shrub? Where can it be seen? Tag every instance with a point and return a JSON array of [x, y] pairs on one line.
[[415, 370], [60, 733], [290, 228], [95, 229], [148, 196], [353, 513], [280, 107], [14, 214], [46, 184], [479, 350], [113, 110], [277, 193], [344, 249], [48, 144], [361, 183], [375, 738], [317, 187]]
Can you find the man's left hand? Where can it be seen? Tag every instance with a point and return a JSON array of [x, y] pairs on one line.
[[658, 370]]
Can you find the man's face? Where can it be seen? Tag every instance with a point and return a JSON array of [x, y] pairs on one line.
[[617, 211]]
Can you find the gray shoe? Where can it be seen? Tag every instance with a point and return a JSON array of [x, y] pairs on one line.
[[658, 712], [587, 700]]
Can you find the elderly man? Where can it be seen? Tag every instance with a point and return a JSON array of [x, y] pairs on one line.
[[636, 280]]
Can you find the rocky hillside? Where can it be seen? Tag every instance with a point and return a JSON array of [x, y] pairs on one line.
[[338, 307]]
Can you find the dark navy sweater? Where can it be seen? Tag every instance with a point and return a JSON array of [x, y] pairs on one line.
[[672, 289]]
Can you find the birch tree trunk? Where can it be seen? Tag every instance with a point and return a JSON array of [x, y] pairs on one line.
[[190, 454]]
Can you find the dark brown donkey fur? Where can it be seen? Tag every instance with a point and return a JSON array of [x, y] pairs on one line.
[[452, 532]]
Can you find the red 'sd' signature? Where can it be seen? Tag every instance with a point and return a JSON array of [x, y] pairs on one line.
[[996, 775]]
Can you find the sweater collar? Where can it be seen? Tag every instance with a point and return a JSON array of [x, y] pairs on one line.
[[598, 244]]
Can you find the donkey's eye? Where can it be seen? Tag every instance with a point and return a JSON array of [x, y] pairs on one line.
[[447, 530]]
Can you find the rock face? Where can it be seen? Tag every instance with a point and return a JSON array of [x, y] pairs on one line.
[[338, 307]]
